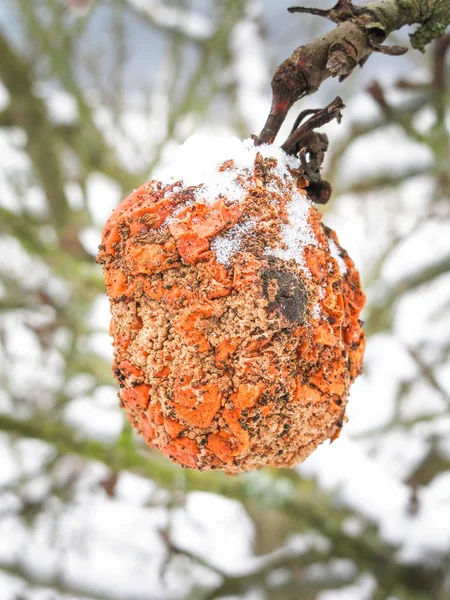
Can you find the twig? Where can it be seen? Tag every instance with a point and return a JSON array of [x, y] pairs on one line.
[[383, 180], [28, 111], [191, 26], [305, 141], [360, 32], [380, 315], [428, 374], [296, 140], [432, 27], [36, 580], [368, 553], [441, 48]]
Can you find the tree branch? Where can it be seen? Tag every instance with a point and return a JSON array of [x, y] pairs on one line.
[[380, 315], [298, 563], [29, 112], [361, 30], [36, 580], [428, 374], [433, 27], [368, 552], [91, 147], [192, 26]]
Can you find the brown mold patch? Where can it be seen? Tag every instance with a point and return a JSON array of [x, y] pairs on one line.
[[285, 292]]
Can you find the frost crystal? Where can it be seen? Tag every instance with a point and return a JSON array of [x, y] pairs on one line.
[[296, 232], [197, 162], [335, 253], [227, 244], [219, 167]]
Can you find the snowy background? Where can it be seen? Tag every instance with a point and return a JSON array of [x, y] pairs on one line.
[[89, 108]]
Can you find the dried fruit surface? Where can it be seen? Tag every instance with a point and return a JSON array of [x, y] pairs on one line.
[[235, 320]]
